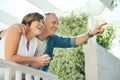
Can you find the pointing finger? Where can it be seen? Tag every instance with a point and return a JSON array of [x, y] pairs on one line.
[[101, 25]]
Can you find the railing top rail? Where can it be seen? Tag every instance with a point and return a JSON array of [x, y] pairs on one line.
[[25, 69]]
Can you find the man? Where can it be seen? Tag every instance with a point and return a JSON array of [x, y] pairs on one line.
[[48, 40]]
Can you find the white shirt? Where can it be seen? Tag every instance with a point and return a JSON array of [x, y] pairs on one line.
[[42, 45]]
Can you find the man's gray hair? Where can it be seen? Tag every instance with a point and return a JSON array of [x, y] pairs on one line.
[[47, 14]]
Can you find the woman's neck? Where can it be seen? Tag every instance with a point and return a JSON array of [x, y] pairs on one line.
[[29, 35]]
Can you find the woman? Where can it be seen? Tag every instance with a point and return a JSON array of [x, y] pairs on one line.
[[18, 45]]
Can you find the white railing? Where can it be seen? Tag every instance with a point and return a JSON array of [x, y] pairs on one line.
[[100, 64], [29, 72]]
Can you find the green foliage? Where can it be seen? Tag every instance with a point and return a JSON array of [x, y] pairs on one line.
[[107, 37], [114, 3], [72, 24], [68, 63]]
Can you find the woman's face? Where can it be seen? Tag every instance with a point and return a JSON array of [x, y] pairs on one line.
[[37, 27]]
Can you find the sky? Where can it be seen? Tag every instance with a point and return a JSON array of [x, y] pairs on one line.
[[19, 8]]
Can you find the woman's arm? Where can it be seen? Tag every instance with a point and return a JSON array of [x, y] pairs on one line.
[[12, 40]]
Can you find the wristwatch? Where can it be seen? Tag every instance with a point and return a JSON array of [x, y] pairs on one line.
[[89, 35]]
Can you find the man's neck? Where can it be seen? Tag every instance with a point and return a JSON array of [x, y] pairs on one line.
[[43, 36]]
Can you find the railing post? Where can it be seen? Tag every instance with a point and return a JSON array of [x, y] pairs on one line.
[[36, 77], [7, 74], [18, 75], [27, 76], [45, 78]]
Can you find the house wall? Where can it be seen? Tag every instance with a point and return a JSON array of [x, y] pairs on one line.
[[100, 64]]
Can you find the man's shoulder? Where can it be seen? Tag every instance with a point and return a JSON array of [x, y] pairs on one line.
[[53, 36]]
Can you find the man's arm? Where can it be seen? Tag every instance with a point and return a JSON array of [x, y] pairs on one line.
[[83, 38], [63, 42]]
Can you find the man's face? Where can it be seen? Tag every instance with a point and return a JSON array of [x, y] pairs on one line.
[[51, 24]]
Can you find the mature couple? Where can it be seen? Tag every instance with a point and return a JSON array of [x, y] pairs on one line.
[[32, 42]]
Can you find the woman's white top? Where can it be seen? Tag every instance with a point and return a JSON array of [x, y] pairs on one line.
[[22, 49]]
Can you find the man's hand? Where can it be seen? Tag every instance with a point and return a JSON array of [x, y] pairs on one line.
[[20, 27], [43, 60], [98, 30]]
